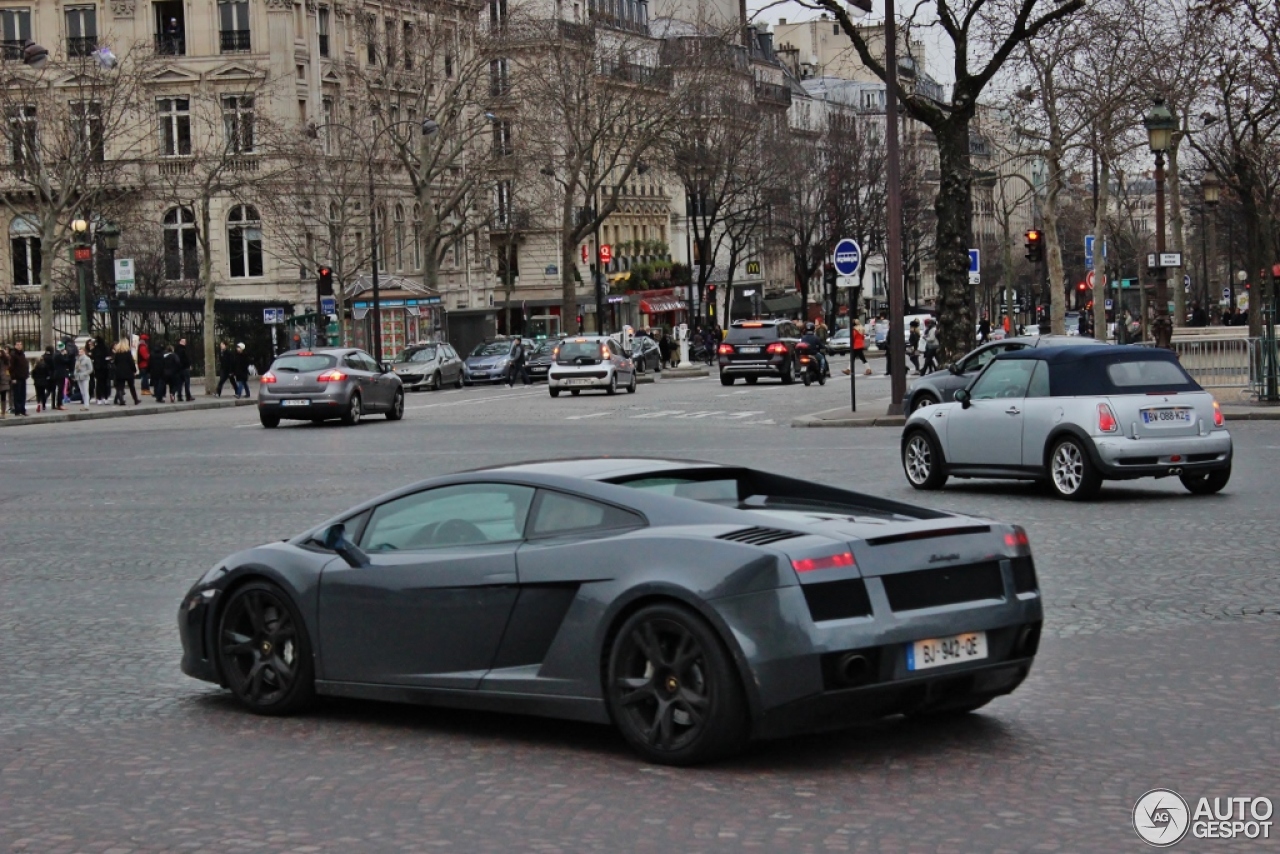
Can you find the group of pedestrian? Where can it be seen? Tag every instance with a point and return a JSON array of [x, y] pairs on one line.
[[233, 365]]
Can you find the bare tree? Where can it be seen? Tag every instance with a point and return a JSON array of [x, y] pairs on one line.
[[69, 130]]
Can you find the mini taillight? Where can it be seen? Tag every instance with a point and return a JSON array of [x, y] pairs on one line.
[[725, 349], [777, 347], [267, 378], [1106, 419], [331, 377], [809, 564], [1217, 414], [1017, 539]]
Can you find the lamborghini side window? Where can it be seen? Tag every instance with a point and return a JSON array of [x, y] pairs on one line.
[[450, 516], [559, 514]]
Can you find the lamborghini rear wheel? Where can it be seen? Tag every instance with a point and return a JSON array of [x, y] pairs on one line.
[[672, 688]]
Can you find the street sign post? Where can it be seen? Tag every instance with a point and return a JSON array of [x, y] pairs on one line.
[[328, 305], [124, 275], [975, 267], [102, 305], [1108, 305], [1226, 293], [847, 258], [1088, 250], [846, 281], [1089, 279], [606, 253], [273, 316]]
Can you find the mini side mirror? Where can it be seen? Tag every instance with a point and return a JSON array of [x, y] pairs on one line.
[[962, 397], [335, 539]]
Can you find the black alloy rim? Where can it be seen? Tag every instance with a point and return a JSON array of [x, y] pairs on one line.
[[259, 645], [660, 684]]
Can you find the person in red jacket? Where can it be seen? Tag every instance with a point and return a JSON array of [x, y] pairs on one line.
[[144, 362]]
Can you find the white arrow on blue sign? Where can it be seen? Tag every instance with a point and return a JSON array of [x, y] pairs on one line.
[[847, 258]]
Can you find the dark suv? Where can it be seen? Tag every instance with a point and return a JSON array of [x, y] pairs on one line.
[[759, 348]]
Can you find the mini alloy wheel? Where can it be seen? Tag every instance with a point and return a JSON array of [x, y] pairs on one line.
[[922, 462], [1206, 483], [672, 688], [263, 651], [1071, 474]]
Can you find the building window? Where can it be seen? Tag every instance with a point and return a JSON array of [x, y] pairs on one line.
[[171, 39], [498, 13], [322, 26], [499, 77], [417, 237], [16, 26], [244, 242], [406, 45], [399, 237], [86, 129], [502, 204], [181, 257], [237, 121], [82, 30], [233, 26], [24, 248], [326, 131], [391, 41], [370, 24], [502, 138], [23, 138], [175, 127]]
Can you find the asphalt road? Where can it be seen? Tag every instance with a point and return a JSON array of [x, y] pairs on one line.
[[1157, 666]]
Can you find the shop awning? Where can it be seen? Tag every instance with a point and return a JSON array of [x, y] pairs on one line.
[[660, 305], [788, 304]]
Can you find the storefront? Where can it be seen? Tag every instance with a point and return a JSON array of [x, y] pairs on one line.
[[661, 308]]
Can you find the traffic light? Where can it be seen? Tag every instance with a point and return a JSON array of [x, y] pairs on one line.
[[579, 322], [711, 300], [1035, 245], [324, 282], [829, 276]]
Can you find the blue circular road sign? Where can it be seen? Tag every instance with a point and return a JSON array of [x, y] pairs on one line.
[[848, 257]]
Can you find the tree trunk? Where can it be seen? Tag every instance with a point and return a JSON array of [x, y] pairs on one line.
[[1053, 247], [48, 244], [1100, 286], [568, 295], [954, 209], [1175, 274], [1006, 260], [210, 295]]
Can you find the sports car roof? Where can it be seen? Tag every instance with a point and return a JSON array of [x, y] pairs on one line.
[[602, 468]]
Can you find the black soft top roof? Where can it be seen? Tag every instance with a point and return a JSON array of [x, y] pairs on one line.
[[1082, 371]]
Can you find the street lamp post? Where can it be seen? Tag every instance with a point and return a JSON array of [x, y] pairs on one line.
[[1212, 189], [1160, 125], [82, 253], [109, 234]]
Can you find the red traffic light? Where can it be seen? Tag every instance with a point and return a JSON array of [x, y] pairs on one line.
[[1080, 286]]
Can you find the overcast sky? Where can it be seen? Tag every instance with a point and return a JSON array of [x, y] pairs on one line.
[[936, 42]]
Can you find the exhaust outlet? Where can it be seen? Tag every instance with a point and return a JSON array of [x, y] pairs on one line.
[[1175, 471], [854, 669]]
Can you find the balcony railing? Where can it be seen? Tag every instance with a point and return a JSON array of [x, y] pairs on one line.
[[504, 221], [616, 22], [168, 45], [575, 32], [233, 41], [81, 45], [773, 93], [176, 166], [12, 49], [641, 75]]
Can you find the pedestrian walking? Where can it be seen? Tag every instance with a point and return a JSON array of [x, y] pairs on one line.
[[913, 345], [226, 368], [101, 385], [155, 371], [125, 370], [664, 350], [515, 364], [241, 369], [144, 362], [930, 346], [858, 339], [172, 366], [984, 330], [42, 376], [63, 367], [82, 372], [184, 367], [5, 361], [19, 370]]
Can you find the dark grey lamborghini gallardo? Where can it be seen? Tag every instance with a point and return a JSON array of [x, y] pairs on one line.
[[692, 605]]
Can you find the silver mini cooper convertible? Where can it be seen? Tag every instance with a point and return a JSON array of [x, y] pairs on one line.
[[1073, 416]]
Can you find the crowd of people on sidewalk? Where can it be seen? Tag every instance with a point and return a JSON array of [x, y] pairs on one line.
[[97, 374]]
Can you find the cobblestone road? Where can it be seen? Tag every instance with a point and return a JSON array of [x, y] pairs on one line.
[[1157, 667]]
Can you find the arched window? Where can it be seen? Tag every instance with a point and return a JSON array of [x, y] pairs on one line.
[[417, 237], [181, 257], [399, 237], [24, 247], [244, 242]]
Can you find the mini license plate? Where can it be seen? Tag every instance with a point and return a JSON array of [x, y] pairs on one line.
[[295, 403], [1167, 415], [748, 349], [936, 652]]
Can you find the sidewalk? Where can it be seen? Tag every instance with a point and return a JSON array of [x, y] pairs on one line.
[[875, 415], [148, 406]]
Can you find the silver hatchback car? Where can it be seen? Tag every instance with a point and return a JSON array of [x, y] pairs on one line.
[[590, 361], [1073, 417], [336, 382]]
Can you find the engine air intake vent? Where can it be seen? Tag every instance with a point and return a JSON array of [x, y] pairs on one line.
[[758, 536], [837, 600], [929, 588]]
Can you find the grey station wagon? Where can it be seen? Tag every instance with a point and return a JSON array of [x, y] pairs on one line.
[[1073, 416]]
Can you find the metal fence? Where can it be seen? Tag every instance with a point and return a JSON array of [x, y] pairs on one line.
[[1218, 362], [163, 319]]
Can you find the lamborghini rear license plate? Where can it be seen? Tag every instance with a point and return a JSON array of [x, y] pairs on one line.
[[936, 652]]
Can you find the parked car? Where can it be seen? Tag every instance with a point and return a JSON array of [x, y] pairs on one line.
[[646, 354], [759, 348], [840, 342], [941, 386], [538, 361], [590, 362], [489, 361], [428, 365], [693, 606], [337, 382], [1073, 417]]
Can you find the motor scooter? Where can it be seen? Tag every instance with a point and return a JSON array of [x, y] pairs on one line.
[[809, 365]]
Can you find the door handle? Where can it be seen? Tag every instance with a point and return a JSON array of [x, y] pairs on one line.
[[1013, 410]]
